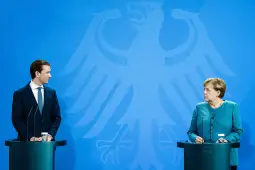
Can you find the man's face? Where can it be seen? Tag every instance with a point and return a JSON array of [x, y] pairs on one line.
[[210, 94], [45, 75]]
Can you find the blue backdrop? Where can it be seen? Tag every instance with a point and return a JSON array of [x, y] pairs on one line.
[[128, 74]]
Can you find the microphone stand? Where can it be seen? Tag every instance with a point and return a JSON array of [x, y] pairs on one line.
[[202, 135], [27, 120], [34, 118]]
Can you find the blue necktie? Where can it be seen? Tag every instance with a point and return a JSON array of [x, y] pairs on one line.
[[40, 101]]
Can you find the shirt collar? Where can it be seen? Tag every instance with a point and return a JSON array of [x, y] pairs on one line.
[[34, 86]]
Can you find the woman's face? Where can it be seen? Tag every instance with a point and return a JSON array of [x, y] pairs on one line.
[[210, 94]]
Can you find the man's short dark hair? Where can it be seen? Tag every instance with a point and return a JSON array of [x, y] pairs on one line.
[[37, 65]]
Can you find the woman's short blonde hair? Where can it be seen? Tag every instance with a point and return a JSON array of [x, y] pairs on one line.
[[218, 85]]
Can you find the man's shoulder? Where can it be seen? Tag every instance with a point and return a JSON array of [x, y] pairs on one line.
[[21, 89], [49, 89]]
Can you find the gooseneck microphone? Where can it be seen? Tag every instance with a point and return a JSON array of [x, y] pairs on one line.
[[202, 134], [34, 118], [211, 126], [27, 120]]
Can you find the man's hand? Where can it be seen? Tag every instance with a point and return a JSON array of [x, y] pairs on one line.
[[199, 140], [36, 139], [222, 140], [47, 138]]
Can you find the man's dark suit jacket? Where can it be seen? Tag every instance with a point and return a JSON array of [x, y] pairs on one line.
[[26, 117]]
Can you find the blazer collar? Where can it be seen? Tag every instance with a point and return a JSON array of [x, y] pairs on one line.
[[31, 97]]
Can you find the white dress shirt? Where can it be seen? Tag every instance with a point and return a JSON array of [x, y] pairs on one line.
[[35, 91]]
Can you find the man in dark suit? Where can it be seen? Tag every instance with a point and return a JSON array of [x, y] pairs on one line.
[[35, 107]]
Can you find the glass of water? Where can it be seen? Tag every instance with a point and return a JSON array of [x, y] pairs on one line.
[[44, 136]]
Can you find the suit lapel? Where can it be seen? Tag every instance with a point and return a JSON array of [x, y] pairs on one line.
[[46, 99], [30, 95]]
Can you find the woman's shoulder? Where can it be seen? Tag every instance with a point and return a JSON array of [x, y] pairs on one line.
[[230, 103], [205, 105], [201, 105]]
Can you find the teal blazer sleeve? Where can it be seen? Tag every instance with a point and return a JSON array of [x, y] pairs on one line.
[[237, 131], [192, 132]]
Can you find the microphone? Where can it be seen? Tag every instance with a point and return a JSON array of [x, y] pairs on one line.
[[34, 118], [211, 126], [27, 120], [202, 134], [212, 117]]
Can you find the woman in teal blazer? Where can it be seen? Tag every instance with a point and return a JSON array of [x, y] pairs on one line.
[[226, 125]]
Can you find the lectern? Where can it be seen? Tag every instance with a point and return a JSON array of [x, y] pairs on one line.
[[26, 155], [207, 156]]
